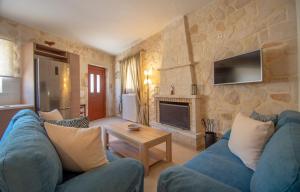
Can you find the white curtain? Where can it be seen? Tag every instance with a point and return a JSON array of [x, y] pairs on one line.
[[131, 82]]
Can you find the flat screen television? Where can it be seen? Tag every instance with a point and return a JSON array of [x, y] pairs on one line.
[[245, 68]]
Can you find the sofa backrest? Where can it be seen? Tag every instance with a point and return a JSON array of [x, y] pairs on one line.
[[279, 166], [28, 161], [288, 117]]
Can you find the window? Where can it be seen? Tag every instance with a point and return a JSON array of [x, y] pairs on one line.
[[130, 74], [7, 66], [98, 83], [10, 83], [10, 90], [92, 83], [129, 82]]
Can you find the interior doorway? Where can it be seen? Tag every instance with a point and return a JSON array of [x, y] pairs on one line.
[[96, 92]]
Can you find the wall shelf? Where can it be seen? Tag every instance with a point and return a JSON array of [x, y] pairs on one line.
[[51, 52]]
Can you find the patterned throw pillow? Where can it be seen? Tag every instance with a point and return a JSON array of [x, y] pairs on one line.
[[81, 122], [264, 118]]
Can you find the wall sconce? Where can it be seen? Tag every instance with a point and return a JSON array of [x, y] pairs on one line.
[[147, 74], [148, 82]]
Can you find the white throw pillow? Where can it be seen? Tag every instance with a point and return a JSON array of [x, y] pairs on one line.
[[52, 115], [248, 138], [80, 149]]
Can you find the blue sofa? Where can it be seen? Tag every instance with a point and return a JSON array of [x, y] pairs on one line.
[[29, 162], [218, 170]]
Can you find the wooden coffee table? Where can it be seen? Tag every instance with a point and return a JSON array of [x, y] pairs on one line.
[[139, 144]]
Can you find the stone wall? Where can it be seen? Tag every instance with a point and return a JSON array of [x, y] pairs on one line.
[[21, 34], [222, 29]]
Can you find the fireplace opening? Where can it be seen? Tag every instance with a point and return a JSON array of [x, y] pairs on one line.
[[176, 114]]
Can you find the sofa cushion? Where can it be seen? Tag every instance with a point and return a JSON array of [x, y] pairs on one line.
[[279, 166], [123, 175], [28, 161], [181, 179], [51, 115], [79, 149], [257, 116], [288, 117], [248, 138], [219, 163]]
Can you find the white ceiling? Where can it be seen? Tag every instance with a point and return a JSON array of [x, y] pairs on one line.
[[109, 25]]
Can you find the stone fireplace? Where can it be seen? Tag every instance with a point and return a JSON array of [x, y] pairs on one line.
[[181, 117], [178, 113]]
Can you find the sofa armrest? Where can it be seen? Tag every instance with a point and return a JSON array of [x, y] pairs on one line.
[[178, 179], [118, 176]]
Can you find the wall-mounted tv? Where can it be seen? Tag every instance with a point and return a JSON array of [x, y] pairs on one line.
[[245, 68]]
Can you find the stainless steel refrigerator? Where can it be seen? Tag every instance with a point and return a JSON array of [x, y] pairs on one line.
[[52, 85]]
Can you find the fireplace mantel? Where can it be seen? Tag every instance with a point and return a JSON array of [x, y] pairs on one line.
[[178, 96]]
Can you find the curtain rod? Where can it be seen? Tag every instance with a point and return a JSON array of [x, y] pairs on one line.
[[134, 54]]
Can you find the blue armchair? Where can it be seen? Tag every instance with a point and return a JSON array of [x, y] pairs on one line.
[[29, 162]]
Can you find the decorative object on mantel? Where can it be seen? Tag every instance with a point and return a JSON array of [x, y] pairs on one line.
[[194, 89], [134, 127], [210, 134], [49, 43], [172, 91]]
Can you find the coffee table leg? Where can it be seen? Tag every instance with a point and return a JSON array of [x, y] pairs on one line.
[[106, 139], [169, 148], [144, 158]]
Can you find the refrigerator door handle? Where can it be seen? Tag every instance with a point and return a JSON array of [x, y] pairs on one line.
[[37, 84]]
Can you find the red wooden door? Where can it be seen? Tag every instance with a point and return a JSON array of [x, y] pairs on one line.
[[96, 93]]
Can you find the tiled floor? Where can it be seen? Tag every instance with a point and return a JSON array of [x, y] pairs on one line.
[[181, 154]]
